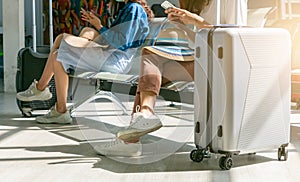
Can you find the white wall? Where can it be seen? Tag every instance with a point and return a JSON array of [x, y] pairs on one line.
[[13, 39]]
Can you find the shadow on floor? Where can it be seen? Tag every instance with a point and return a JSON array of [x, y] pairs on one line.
[[84, 152]]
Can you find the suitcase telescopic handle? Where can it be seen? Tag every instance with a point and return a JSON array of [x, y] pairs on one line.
[[34, 24], [218, 12], [50, 23]]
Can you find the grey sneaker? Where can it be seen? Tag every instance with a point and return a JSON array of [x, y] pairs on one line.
[[32, 93], [117, 147], [54, 117], [141, 125]]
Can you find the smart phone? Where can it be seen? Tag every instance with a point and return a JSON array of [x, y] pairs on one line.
[[167, 4]]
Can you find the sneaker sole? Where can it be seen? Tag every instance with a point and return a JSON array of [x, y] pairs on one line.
[[41, 122], [26, 99], [120, 154], [131, 136]]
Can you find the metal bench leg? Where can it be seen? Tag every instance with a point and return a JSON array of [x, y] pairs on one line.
[[101, 95]]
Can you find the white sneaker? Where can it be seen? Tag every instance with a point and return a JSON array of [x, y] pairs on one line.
[[54, 117], [32, 93], [118, 147], [141, 125]]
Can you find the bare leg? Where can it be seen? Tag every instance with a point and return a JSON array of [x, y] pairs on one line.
[[89, 33], [147, 102], [61, 83], [61, 77], [149, 81], [54, 67], [56, 43], [48, 70], [155, 71]]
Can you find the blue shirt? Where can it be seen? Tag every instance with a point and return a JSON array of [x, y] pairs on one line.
[[130, 28]]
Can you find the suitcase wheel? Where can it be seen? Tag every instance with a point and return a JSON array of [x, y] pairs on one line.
[[27, 112], [282, 154], [196, 155], [225, 162]]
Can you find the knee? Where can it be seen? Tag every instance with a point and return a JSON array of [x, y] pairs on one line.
[[88, 33], [56, 64], [52, 55], [146, 52], [86, 29], [58, 38], [57, 42], [150, 60]]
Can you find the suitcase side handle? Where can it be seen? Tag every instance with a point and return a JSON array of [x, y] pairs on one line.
[[40, 52]]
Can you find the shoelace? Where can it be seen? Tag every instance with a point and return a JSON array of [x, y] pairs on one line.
[[112, 143], [137, 121], [133, 118], [52, 109], [138, 108], [29, 90], [137, 118]]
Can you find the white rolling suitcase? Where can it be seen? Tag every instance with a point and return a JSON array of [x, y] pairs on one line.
[[242, 92]]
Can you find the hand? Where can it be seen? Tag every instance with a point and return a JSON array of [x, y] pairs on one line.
[[91, 18], [181, 15], [185, 17], [149, 12]]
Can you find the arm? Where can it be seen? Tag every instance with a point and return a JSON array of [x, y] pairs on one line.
[[129, 29], [190, 33]]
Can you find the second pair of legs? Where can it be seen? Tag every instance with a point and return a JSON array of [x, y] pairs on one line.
[[154, 72]]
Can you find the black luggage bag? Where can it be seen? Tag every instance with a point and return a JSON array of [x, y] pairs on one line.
[[30, 66]]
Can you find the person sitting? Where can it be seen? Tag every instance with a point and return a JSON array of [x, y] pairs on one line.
[[157, 69], [154, 71], [101, 48]]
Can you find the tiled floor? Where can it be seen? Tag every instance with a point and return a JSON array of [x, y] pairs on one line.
[[36, 152]]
